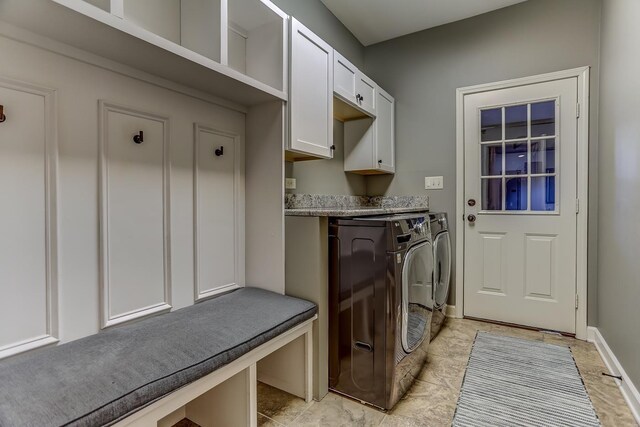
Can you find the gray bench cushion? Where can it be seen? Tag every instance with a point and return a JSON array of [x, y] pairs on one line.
[[102, 378]]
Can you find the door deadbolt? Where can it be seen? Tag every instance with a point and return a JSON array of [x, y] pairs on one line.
[[471, 202]]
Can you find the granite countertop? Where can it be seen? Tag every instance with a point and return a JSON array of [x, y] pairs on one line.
[[350, 206]]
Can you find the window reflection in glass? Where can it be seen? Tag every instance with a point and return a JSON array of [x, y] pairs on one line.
[[543, 193], [515, 122], [492, 159], [491, 125], [516, 158], [492, 194], [543, 119], [516, 194], [543, 156]]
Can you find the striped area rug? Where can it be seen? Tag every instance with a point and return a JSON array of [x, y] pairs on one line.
[[517, 382]]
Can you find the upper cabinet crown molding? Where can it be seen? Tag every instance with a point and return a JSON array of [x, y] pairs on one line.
[[120, 30]]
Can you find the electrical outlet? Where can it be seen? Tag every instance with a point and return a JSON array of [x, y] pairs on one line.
[[433, 183], [290, 183]]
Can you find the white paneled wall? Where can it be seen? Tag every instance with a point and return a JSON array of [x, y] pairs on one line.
[[143, 225], [28, 252]]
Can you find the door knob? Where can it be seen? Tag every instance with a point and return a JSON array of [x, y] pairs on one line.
[[471, 218]]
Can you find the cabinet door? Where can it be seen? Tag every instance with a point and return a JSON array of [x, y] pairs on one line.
[[385, 131], [345, 76], [366, 89], [310, 93]]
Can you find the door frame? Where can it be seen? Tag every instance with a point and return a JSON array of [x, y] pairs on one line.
[[582, 111]]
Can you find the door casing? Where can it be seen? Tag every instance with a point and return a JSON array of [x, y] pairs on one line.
[[582, 111]]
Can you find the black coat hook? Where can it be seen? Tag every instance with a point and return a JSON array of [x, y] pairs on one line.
[[219, 151], [2, 116], [139, 138]]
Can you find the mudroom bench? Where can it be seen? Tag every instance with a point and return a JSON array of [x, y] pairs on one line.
[[201, 362]]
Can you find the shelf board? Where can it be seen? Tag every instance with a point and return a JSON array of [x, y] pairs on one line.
[[84, 26], [344, 111]]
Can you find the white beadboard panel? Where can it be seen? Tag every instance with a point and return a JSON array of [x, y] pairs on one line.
[[28, 247], [136, 278], [217, 211]]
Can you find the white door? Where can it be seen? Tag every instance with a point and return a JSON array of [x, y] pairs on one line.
[[311, 93], [520, 213]]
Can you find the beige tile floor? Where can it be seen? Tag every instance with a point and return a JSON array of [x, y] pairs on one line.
[[432, 399]]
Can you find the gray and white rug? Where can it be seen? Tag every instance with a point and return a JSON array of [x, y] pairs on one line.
[[518, 382]]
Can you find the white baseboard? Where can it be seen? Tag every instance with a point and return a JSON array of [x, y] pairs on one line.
[[628, 389], [450, 311]]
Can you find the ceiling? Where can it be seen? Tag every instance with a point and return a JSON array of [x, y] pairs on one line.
[[374, 21]]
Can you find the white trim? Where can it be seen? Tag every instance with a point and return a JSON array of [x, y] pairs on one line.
[[49, 96], [238, 214], [104, 108], [174, 401], [629, 390], [582, 74]]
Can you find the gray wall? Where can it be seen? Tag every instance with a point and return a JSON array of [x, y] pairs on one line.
[[619, 156], [315, 16], [326, 176], [423, 70]]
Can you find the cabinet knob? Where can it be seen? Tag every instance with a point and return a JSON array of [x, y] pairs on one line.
[[380, 161], [2, 116], [333, 147], [219, 151]]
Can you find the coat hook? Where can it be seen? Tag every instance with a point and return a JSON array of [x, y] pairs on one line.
[[219, 151], [2, 116], [139, 138]]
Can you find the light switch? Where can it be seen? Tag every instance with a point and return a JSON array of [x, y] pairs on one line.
[[290, 183], [433, 183]]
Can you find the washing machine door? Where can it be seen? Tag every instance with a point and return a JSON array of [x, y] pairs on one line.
[[441, 268], [417, 295]]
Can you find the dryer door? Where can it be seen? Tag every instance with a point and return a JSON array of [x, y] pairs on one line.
[[441, 268], [417, 295]]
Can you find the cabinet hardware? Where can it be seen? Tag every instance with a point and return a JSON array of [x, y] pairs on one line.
[[2, 116], [219, 151], [380, 161], [139, 138], [333, 147]]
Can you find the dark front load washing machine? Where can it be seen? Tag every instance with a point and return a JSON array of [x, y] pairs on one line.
[[380, 305]]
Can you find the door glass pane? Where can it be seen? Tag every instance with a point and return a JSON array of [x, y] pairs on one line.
[[492, 194], [491, 125], [543, 156], [492, 159], [516, 158], [543, 119], [516, 194], [515, 122], [543, 193], [417, 295]]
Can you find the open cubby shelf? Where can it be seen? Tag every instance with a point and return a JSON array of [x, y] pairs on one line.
[[234, 49]]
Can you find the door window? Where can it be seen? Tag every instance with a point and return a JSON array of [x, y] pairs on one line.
[[519, 157]]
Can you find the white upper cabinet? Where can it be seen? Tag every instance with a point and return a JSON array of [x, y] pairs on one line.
[[369, 143], [345, 76], [366, 94], [355, 92], [310, 95], [385, 131]]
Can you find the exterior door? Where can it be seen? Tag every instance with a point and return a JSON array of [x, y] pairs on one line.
[[521, 203]]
